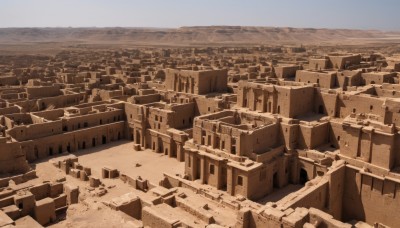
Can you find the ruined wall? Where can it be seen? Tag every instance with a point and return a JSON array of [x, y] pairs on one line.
[[259, 140], [35, 131], [347, 104], [312, 136], [73, 141], [370, 198], [325, 103], [323, 79], [183, 116], [12, 159], [43, 91], [301, 101]]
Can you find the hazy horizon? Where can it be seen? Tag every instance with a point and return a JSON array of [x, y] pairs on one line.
[[339, 14]]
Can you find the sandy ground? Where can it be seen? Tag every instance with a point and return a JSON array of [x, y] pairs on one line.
[[120, 155], [92, 212], [279, 194]]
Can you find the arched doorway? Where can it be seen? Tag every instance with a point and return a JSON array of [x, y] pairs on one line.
[[303, 177]]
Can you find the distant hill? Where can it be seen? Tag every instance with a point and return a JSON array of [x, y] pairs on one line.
[[194, 35]]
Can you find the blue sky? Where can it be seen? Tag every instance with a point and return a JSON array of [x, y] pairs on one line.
[[359, 14]]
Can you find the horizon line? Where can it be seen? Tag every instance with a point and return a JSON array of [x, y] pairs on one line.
[[196, 26]]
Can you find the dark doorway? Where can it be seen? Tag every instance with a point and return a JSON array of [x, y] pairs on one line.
[[303, 176], [104, 139], [275, 180], [197, 168], [60, 149], [233, 146], [119, 135], [83, 145], [93, 142], [224, 179], [137, 137], [50, 151], [69, 148], [36, 152], [321, 109]]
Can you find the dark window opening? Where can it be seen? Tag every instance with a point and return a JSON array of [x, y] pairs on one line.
[[303, 176], [321, 109], [240, 180], [275, 180]]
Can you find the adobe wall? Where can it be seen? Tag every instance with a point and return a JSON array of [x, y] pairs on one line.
[[258, 140], [212, 81], [289, 135], [319, 64], [324, 79], [182, 117], [145, 99], [339, 62], [43, 91], [312, 136], [73, 141], [35, 131], [59, 101], [301, 101], [286, 71], [50, 114], [346, 104], [315, 196], [377, 78], [368, 145], [325, 103], [370, 198], [9, 110], [92, 120], [12, 159]]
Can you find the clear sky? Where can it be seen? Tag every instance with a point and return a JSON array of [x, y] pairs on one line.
[[358, 14]]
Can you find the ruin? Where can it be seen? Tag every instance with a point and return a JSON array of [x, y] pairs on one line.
[[263, 136]]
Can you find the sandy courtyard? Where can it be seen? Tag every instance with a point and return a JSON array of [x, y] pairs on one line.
[[122, 156]]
